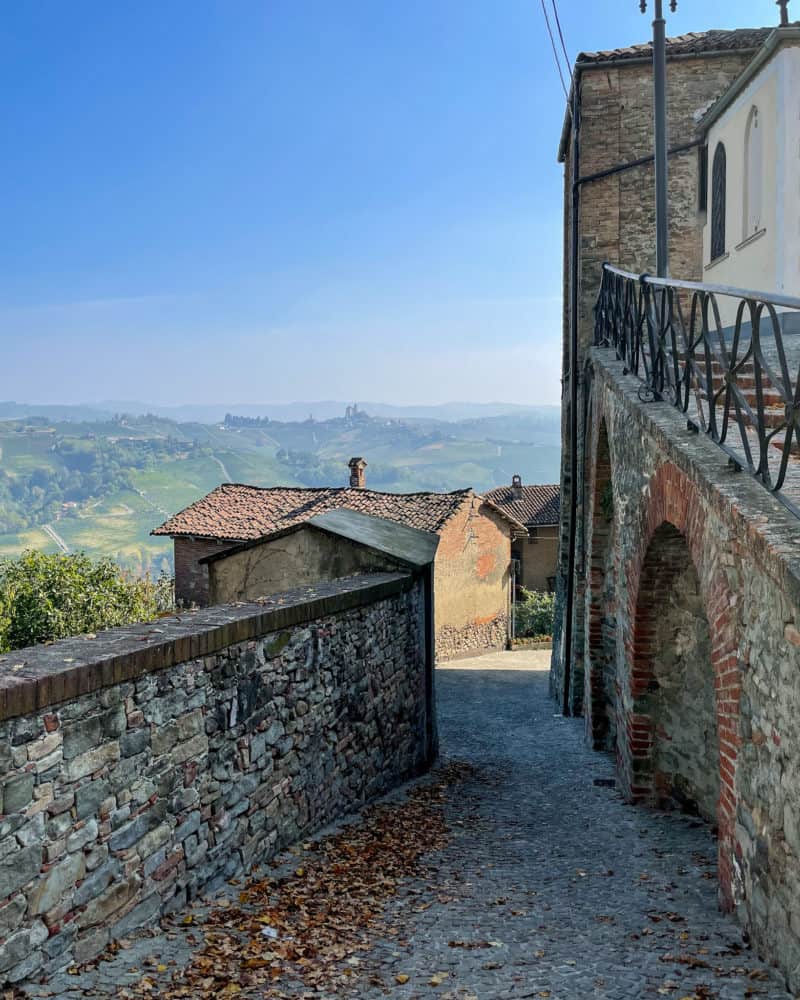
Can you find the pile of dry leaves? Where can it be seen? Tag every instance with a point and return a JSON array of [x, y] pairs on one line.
[[305, 933]]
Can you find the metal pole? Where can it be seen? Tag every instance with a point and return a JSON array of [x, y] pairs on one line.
[[569, 611], [660, 113]]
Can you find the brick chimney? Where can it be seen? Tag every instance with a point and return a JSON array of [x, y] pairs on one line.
[[358, 479], [516, 487]]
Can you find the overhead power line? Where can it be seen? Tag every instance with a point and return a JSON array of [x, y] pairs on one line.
[[555, 49], [563, 43]]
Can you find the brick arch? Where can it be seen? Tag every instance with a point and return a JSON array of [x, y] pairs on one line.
[[600, 617], [674, 502]]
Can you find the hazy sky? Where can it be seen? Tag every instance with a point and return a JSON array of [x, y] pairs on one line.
[[270, 200]]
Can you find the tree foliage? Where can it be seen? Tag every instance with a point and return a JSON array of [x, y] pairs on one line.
[[534, 614], [45, 597]]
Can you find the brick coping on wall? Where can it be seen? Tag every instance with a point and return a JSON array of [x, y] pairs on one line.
[[40, 676], [772, 532]]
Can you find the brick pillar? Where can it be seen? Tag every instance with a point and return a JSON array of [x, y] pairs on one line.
[[673, 532], [358, 478]]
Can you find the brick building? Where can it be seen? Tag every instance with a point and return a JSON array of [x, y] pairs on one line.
[[537, 507], [609, 215], [472, 569]]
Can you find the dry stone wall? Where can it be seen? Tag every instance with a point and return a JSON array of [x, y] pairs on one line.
[[473, 639], [142, 767], [706, 658]]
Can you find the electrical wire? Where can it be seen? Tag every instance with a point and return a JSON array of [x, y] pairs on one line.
[[563, 43], [555, 50]]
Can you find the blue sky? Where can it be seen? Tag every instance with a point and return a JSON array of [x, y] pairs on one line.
[[272, 200]]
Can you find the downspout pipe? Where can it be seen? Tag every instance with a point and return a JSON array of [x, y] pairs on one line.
[[573, 398], [660, 117]]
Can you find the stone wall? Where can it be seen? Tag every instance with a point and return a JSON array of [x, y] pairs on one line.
[[703, 589], [145, 765], [472, 639], [300, 556]]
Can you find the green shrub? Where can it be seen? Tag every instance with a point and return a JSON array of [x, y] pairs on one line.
[[45, 597], [534, 614]]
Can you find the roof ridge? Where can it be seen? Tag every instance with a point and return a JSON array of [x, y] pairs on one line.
[[236, 510], [630, 51], [327, 489]]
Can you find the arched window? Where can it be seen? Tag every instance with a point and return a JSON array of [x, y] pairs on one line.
[[718, 180], [753, 174]]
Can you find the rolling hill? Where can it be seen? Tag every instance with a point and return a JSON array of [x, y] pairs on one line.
[[100, 485]]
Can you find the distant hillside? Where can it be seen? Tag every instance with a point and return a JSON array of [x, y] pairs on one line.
[[206, 413], [102, 484]]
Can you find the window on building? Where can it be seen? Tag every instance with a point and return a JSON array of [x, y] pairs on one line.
[[718, 197], [702, 178], [753, 174]]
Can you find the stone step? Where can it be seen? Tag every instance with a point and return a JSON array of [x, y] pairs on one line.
[[771, 397], [780, 443], [773, 416]]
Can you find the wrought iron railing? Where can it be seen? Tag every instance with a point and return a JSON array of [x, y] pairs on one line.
[[727, 358]]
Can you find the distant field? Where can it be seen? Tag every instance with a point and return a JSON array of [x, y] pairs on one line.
[[190, 459], [12, 545]]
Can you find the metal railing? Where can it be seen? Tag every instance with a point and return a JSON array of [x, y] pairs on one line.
[[727, 358]]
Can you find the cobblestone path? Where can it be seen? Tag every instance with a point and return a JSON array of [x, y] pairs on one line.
[[550, 887]]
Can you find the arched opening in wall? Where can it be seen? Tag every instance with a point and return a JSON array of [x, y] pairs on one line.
[[600, 603], [674, 743]]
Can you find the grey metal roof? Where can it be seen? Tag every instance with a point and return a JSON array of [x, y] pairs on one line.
[[408, 545]]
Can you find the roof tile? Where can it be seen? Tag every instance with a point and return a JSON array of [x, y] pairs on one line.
[[236, 512], [535, 506], [694, 43]]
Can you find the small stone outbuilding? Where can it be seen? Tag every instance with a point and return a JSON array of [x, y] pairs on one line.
[[330, 546], [472, 567]]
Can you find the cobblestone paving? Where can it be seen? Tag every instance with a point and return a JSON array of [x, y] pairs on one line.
[[551, 886]]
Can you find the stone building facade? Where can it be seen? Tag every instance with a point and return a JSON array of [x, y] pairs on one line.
[[145, 766], [613, 203], [472, 568]]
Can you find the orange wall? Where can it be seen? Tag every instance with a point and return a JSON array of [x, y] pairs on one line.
[[472, 580]]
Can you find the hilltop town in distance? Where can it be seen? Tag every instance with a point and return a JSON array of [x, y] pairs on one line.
[[98, 480]]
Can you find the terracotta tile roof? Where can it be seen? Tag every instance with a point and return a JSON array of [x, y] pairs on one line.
[[695, 43], [238, 513], [534, 506]]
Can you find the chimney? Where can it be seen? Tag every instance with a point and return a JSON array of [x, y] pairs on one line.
[[516, 487], [358, 479]]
